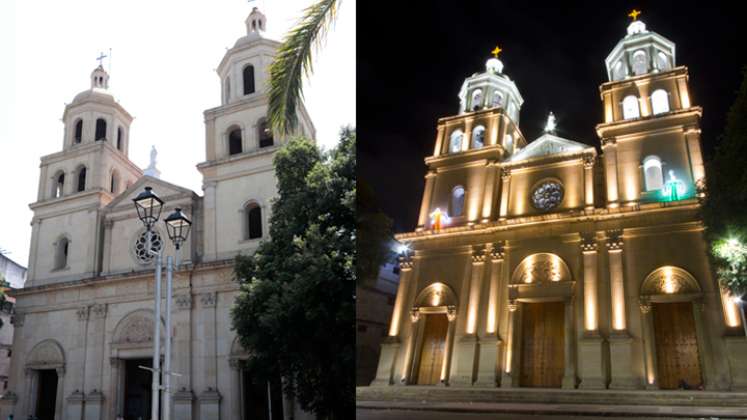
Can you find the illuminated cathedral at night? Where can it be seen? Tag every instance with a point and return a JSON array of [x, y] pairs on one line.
[[547, 263]]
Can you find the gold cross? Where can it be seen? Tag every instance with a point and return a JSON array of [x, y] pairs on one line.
[[496, 51], [634, 14]]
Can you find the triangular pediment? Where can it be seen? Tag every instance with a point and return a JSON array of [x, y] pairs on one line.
[[548, 145], [164, 190]]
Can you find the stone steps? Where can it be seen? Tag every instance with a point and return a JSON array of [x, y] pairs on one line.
[[439, 394]]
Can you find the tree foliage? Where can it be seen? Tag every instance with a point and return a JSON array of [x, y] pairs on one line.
[[293, 61], [725, 203], [374, 234], [295, 311]]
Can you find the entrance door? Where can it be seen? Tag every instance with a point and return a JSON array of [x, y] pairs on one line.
[[434, 346], [261, 401], [47, 396], [138, 389], [542, 345], [677, 357]]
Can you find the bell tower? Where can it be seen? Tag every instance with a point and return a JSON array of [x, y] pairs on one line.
[[75, 183], [651, 131], [238, 173]]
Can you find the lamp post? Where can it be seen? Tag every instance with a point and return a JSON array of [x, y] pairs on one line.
[[149, 207]]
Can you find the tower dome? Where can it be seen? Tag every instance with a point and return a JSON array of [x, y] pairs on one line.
[[490, 89], [640, 52]]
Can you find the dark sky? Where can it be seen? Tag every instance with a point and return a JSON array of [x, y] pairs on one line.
[[412, 62]]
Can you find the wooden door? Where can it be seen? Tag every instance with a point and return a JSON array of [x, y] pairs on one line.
[[677, 356], [434, 346], [542, 345]]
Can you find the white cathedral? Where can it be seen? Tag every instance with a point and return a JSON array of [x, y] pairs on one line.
[[84, 321]]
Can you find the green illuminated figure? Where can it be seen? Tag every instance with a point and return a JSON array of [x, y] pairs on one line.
[[674, 189]]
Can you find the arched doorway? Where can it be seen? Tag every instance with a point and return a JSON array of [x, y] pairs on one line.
[[541, 292], [45, 367], [669, 307], [433, 315]]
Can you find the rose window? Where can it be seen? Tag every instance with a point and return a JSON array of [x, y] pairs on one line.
[[547, 195], [141, 246]]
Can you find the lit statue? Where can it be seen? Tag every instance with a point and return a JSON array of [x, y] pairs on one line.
[[674, 189], [550, 126], [438, 219], [153, 155]]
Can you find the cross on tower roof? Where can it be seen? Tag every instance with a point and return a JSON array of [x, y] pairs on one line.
[[496, 51], [634, 14], [101, 58]]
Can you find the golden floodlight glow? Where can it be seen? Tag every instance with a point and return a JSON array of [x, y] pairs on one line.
[[491, 318], [730, 309], [669, 286]]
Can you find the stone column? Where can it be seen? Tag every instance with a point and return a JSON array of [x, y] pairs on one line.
[[649, 347], [468, 343], [704, 349], [621, 343], [390, 346], [209, 211], [609, 149], [59, 399], [509, 379], [75, 406], [209, 399], [408, 357], [236, 413], [505, 185], [589, 182], [108, 225], [488, 203], [116, 387], [94, 405], [182, 354], [593, 367], [35, 226], [32, 377], [467, 138], [425, 206], [446, 364], [95, 348], [569, 346], [489, 342], [439, 141], [692, 137]]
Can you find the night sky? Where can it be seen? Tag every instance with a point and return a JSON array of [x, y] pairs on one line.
[[412, 62]]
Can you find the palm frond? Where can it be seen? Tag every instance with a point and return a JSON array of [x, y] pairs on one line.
[[293, 62]]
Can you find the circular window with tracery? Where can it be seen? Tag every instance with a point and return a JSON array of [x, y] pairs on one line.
[[547, 195], [141, 246]]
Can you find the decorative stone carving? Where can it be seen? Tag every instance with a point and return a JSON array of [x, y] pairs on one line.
[[208, 300], [451, 313], [183, 301], [95, 396], [547, 195], [588, 244], [99, 310], [645, 306], [46, 353], [609, 141], [405, 262], [498, 251], [141, 245], [505, 174], [614, 240], [669, 280], [414, 315], [540, 268], [137, 328], [82, 313], [512, 306], [589, 161], [478, 256], [9, 396]]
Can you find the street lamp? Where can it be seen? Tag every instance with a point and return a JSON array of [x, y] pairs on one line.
[[148, 206]]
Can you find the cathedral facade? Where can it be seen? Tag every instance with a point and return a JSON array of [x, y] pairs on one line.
[[84, 320], [548, 264]]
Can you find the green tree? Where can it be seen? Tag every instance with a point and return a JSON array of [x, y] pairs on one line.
[[293, 62], [374, 234], [725, 200], [295, 311]]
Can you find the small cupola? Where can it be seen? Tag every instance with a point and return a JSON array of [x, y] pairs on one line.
[[256, 22], [491, 89], [99, 78], [640, 52]]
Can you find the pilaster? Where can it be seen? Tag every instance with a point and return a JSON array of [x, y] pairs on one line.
[[488, 203], [621, 343], [592, 366], [425, 206], [609, 148], [505, 185], [589, 182], [509, 377]]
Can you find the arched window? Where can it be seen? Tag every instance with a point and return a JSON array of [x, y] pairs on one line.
[[248, 79], [457, 201], [630, 107], [114, 185], [455, 143], [508, 143], [120, 138], [253, 221], [100, 129], [78, 135], [227, 93], [478, 137], [497, 99], [640, 63], [660, 101], [653, 174], [476, 99], [662, 61], [234, 141], [61, 253], [618, 73], [82, 179], [58, 186], [265, 134]]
